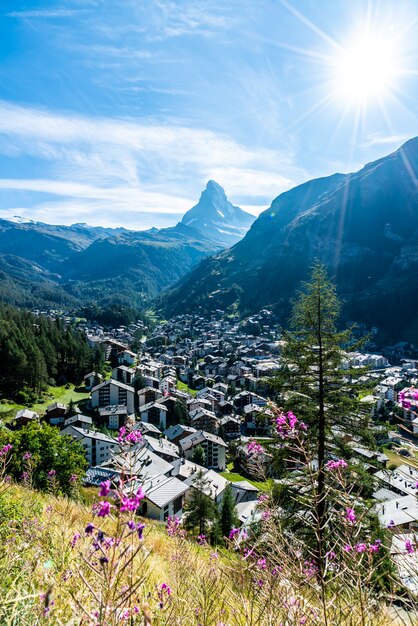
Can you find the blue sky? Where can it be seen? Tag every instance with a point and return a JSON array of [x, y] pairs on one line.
[[116, 113]]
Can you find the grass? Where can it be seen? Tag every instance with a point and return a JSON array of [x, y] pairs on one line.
[[214, 587], [398, 459], [235, 477], [183, 387], [53, 394]]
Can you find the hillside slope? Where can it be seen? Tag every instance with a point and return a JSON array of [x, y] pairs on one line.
[[363, 226]]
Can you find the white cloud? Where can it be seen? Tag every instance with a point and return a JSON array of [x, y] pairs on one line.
[[44, 13], [378, 139], [109, 165]]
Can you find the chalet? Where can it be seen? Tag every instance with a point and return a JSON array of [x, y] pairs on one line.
[[178, 432], [147, 395], [127, 357], [154, 413], [213, 484], [168, 384], [124, 374], [204, 420], [198, 403], [114, 416], [213, 446], [230, 426], [112, 347], [91, 380], [55, 413], [98, 448], [112, 392], [24, 417], [244, 491], [82, 421], [164, 497]]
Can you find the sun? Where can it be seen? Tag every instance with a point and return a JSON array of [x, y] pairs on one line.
[[365, 69]]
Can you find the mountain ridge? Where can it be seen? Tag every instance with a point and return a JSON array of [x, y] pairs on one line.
[[97, 263], [362, 225]]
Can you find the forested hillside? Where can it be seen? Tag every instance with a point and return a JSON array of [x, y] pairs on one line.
[[36, 352]]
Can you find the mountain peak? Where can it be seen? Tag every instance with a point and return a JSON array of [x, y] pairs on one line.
[[216, 217]]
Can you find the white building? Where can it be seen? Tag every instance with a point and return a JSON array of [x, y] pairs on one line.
[[213, 446], [113, 392], [98, 447], [164, 497]]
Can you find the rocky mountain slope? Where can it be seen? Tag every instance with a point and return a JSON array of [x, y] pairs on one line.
[[217, 218], [363, 226]]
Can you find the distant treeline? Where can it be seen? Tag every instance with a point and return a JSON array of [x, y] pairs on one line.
[[36, 352], [113, 315]]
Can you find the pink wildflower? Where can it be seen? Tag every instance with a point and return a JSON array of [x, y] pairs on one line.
[[335, 465], [6, 449], [134, 437], [374, 547], [350, 515], [233, 533], [103, 508], [287, 425], [409, 547], [360, 547], [132, 503], [104, 488], [254, 448]]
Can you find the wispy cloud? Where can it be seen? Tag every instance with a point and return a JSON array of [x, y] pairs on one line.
[[47, 13], [117, 165], [378, 140]]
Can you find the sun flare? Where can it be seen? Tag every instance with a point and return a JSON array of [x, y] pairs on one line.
[[365, 70]]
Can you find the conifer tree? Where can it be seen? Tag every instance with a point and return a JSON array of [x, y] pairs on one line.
[[228, 514], [199, 456], [201, 511], [314, 381]]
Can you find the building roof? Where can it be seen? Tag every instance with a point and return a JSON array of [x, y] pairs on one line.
[[112, 381], [214, 484], [400, 479], [115, 409], [185, 468], [403, 510], [151, 405], [142, 462], [27, 414], [78, 418], [162, 490], [174, 431], [147, 427], [198, 437], [90, 434], [161, 446]]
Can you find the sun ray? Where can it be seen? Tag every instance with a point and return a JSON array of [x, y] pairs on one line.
[[313, 27]]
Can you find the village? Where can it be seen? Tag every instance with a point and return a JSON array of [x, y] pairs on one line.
[[197, 391]]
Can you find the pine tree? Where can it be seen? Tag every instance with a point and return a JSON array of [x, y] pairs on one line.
[[199, 456], [201, 510], [228, 515], [313, 382]]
